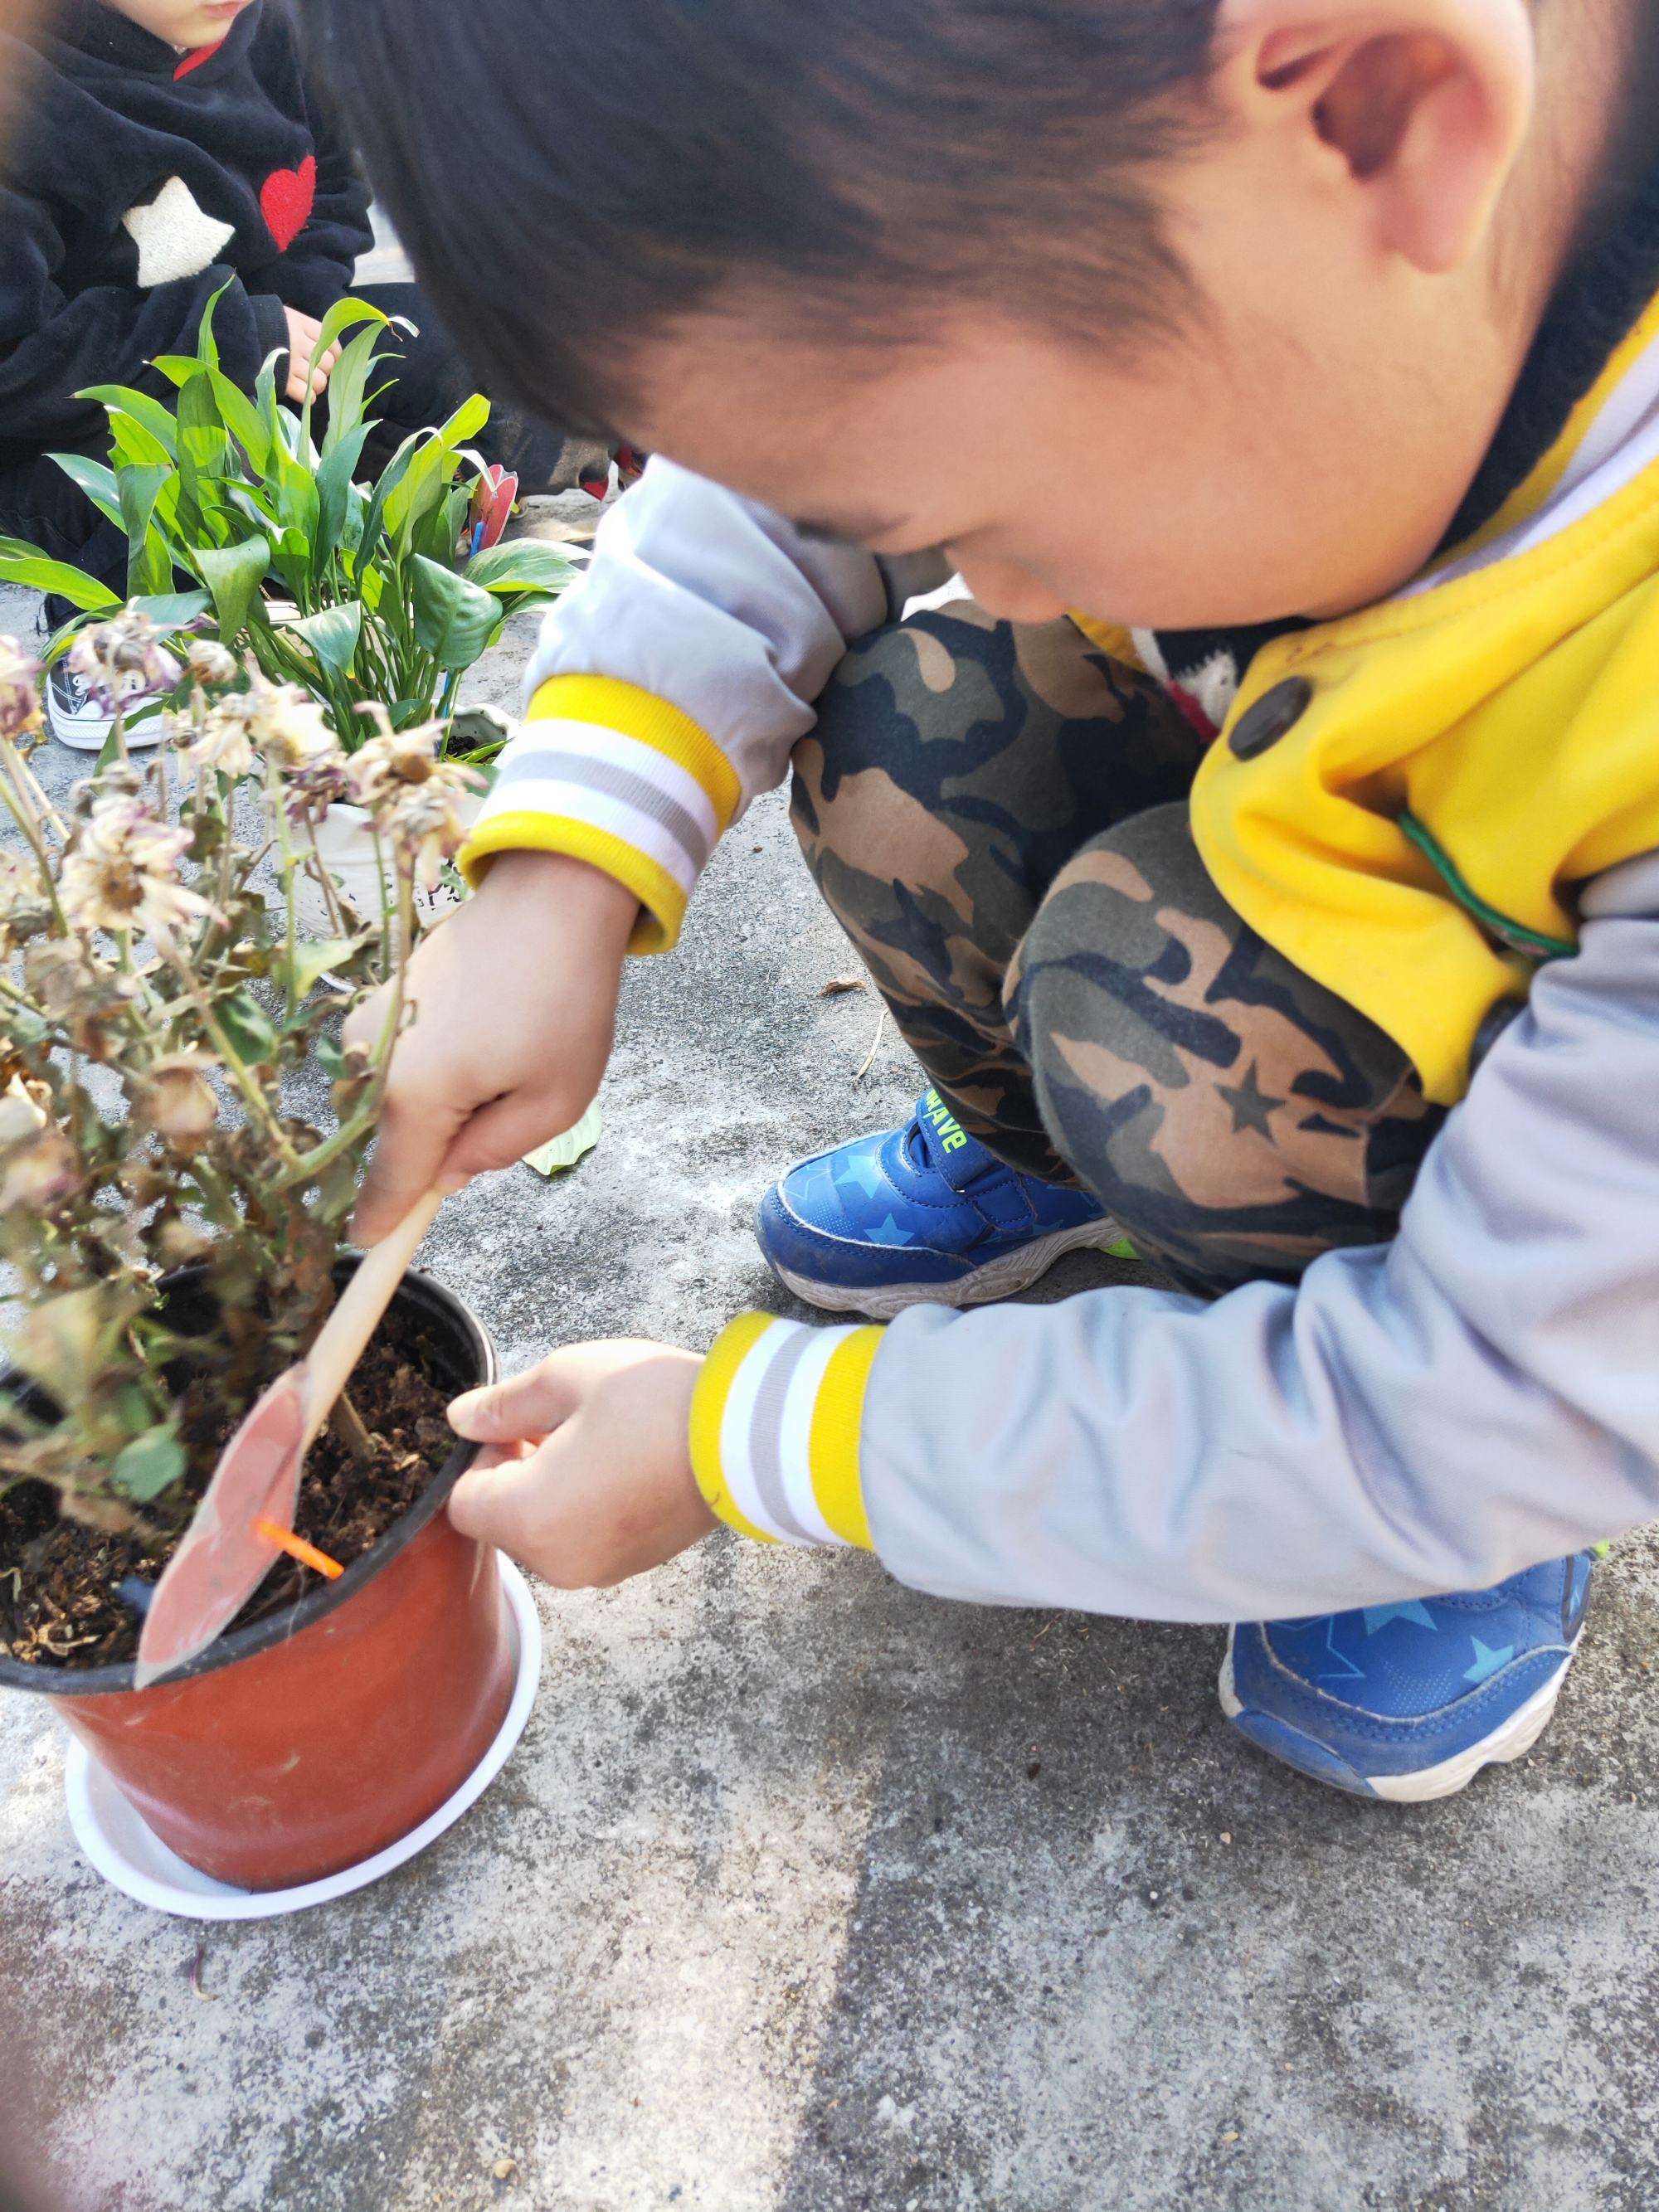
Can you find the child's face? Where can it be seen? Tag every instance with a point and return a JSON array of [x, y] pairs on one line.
[[182, 23], [1366, 297]]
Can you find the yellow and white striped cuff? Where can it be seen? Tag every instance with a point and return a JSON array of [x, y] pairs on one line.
[[616, 776], [774, 1430]]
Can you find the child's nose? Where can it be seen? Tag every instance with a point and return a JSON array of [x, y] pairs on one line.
[[1009, 593]]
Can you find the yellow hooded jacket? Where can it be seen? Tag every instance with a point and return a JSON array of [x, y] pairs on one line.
[[1507, 703]]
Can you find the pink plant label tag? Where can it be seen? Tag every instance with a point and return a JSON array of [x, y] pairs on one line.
[[223, 1559]]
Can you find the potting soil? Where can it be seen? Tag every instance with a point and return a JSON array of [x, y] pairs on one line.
[[71, 1596]]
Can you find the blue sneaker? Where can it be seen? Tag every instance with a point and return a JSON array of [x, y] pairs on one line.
[[1409, 1702], [920, 1213]]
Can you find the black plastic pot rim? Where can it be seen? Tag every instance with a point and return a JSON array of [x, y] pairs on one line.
[[316, 1605]]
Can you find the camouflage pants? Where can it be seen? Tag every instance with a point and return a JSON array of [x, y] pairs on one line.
[[997, 815]]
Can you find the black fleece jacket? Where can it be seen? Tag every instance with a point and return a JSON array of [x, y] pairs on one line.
[[139, 183]]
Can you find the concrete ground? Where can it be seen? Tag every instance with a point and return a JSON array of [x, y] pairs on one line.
[[805, 1892]]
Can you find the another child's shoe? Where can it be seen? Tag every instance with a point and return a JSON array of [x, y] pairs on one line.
[[74, 716], [1409, 1702], [918, 1214]]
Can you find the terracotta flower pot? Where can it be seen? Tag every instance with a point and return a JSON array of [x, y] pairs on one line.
[[306, 1742]]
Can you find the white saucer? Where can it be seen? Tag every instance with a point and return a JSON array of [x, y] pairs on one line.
[[126, 1852]]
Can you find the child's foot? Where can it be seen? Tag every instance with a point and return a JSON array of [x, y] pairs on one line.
[[1410, 1701], [920, 1213]]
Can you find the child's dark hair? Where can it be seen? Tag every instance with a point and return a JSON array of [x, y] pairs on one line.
[[571, 175]]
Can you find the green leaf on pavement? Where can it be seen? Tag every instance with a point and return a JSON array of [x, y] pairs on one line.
[[563, 1153]]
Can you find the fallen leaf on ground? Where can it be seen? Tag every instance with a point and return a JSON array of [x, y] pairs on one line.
[[837, 984], [561, 1152]]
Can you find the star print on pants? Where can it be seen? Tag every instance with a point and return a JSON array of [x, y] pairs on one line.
[[1250, 1105]]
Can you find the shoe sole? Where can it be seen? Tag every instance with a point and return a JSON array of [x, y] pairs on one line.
[[1002, 1277], [1514, 1739], [147, 733]]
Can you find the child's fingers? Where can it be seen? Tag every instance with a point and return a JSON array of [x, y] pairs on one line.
[[505, 1130], [531, 1405], [506, 1504], [408, 1161]]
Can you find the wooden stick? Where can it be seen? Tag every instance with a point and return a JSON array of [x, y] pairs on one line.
[[344, 1335]]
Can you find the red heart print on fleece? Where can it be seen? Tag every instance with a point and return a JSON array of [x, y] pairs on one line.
[[286, 199]]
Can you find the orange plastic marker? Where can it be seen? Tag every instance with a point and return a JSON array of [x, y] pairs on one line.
[[297, 1548]]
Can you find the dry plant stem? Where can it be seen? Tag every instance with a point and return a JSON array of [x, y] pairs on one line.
[[27, 778], [22, 814], [875, 1044], [347, 1425], [255, 1098], [324, 882]]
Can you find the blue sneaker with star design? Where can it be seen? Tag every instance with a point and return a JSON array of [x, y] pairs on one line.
[[918, 1214], [1409, 1702]]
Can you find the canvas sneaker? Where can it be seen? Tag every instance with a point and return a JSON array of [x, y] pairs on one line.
[[1409, 1702], [73, 715], [920, 1213]]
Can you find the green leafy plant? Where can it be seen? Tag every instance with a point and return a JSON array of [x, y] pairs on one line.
[[164, 1037], [357, 593]]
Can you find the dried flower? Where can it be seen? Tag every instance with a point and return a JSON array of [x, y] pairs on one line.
[[415, 797], [122, 661], [19, 700], [121, 871], [23, 1112], [286, 726], [38, 1173], [221, 739], [176, 1100], [209, 663]]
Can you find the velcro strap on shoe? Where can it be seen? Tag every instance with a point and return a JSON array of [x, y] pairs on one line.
[[949, 1150]]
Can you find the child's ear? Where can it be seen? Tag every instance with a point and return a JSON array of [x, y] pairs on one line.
[[1419, 107]]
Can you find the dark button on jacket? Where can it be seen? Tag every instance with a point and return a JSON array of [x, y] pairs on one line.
[[1274, 712]]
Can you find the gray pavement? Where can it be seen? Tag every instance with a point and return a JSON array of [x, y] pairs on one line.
[[804, 1892]]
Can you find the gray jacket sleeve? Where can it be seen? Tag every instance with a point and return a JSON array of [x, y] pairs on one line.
[[1427, 1416]]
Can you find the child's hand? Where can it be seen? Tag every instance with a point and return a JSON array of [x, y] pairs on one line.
[[515, 1006], [307, 370], [587, 1473]]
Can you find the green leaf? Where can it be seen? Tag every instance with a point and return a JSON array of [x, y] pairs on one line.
[[562, 1153], [527, 564], [314, 959], [97, 480], [132, 447], [454, 619], [177, 368], [247, 1029], [347, 387], [466, 421], [206, 345], [148, 413], [333, 635], [242, 419], [233, 573], [173, 609], [333, 490], [146, 570], [478, 727], [204, 451], [22, 564], [344, 315], [390, 476], [149, 1465]]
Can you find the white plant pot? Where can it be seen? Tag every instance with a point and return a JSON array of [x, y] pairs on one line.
[[345, 845]]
